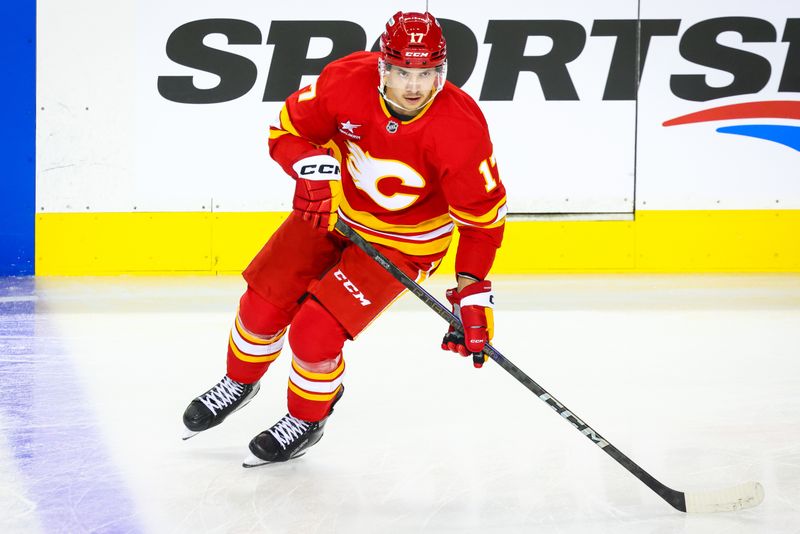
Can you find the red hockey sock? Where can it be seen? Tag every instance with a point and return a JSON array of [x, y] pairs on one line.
[[317, 366], [256, 338]]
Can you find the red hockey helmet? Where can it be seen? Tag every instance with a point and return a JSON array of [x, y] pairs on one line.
[[413, 40]]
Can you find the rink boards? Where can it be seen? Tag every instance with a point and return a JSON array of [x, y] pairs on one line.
[[657, 241], [151, 150]]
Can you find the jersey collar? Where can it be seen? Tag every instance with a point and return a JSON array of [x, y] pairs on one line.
[[390, 116]]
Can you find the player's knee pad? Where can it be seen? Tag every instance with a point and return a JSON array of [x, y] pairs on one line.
[[259, 316], [315, 335]]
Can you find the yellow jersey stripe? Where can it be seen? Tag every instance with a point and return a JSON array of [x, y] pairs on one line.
[[286, 122], [390, 116], [489, 216], [412, 249], [275, 133], [372, 222]]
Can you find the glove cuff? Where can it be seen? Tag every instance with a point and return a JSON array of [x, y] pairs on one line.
[[484, 300], [319, 167], [477, 294]]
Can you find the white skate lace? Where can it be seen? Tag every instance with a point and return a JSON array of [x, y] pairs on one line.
[[288, 429], [222, 395]]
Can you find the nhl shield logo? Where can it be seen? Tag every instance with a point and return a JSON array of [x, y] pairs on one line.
[[392, 126]]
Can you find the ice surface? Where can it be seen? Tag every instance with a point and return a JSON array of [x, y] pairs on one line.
[[696, 378]]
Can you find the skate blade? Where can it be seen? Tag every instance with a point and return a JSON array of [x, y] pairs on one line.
[[254, 461], [188, 434]]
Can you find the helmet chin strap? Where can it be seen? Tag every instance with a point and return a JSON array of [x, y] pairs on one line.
[[382, 91]]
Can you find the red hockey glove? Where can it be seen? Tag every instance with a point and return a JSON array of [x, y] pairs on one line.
[[317, 190], [473, 305]]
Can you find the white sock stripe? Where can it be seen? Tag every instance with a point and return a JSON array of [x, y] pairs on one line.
[[255, 350], [313, 386]]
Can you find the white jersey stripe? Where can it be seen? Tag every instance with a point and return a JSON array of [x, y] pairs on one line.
[[428, 236], [500, 214]]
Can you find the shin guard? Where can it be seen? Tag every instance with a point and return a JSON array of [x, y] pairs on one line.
[[315, 380], [310, 394], [256, 338]]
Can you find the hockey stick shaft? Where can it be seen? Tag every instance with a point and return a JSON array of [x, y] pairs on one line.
[[675, 498]]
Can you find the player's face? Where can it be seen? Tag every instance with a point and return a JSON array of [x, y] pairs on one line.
[[411, 88]]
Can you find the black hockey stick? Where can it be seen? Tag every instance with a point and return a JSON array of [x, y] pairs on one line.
[[739, 497]]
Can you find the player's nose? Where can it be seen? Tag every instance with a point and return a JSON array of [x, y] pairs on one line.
[[413, 82]]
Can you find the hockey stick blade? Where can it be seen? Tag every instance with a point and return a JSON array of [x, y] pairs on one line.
[[731, 499], [747, 495]]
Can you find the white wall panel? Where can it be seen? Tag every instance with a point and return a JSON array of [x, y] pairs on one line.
[[147, 153], [86, 106], [692, 166], [109, 141]]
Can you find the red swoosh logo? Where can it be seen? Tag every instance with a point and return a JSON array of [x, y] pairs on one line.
[[772, 109]]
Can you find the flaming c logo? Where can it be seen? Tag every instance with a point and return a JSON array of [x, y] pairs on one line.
[[368, 172]]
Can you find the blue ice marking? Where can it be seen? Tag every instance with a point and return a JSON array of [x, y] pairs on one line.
[[53, 433]]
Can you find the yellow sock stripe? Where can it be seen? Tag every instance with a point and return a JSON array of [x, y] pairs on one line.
[[321, 387], [333, 375], [250, 338], [313, 396], [251, 359], [255, 350]]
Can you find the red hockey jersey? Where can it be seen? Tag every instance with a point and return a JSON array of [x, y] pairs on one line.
[[405, 183]]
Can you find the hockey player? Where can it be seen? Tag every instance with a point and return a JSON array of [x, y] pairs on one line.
[[383, 141]]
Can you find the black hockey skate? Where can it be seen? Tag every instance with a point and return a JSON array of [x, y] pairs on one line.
[[212, 407], [287, 439]]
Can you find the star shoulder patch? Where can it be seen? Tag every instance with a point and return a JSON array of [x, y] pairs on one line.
[[349, 126]]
